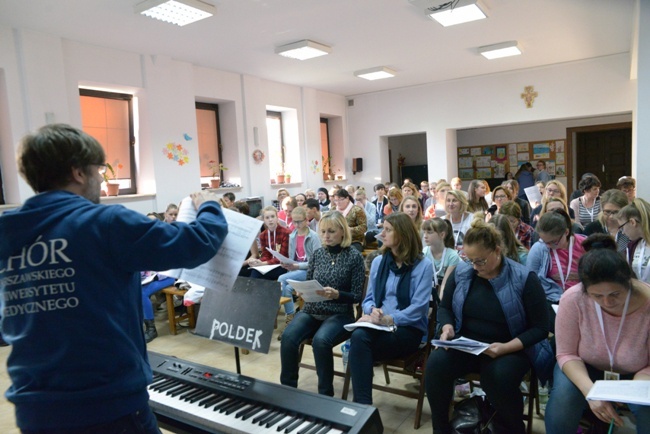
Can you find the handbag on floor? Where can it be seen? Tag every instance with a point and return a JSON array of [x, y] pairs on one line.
[[472, 416]]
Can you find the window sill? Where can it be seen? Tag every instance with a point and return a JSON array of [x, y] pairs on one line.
[[223, 189], [126, 197], [334, 181], [287, 184]]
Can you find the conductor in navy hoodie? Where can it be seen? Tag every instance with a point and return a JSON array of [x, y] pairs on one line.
[[70, 289]]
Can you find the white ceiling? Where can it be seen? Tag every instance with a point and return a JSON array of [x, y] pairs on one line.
[[362, 33]]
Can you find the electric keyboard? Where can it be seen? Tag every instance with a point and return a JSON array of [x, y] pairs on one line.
[[199, 399]]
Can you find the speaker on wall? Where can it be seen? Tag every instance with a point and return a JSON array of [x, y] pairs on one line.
[[357, 165]]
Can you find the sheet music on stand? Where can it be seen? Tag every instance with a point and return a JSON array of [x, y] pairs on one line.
[[462, 344]]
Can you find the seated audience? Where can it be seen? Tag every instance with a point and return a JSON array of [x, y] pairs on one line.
[[362, 201], [553, 189], [274, 237], [513, 186], [171, 213], [355, 217], [313, 213], [284, 215], [380, 201], [634, 219], [399, 289], [612, 201], [511, 246], [431, 197], [554, 258], [627, 185], [525, 179], [602, 328], [303, 242], [411, 207], [340, 271], [300, 199], [324, 199], [351, 189], [310, 194], [281, 194], [439, 248], [500, 195], [457, 184], [587, 207], [542, 175], [476, 196], [500, 302], [409, 189], [524, 233], [228, 200], [424, 192], [553, 203]]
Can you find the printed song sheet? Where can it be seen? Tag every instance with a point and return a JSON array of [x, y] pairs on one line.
[[307, 290], [462, 344], [628, 391], [221, 271]]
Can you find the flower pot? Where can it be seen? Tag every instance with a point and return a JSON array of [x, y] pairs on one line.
[[330, 176], [215, 183], [287, 178], [280, 178], [112, 189]]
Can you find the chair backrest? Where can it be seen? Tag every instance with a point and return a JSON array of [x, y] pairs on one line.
[[359, 308]]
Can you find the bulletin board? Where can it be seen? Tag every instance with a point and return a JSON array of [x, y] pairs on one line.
[[494, 161]]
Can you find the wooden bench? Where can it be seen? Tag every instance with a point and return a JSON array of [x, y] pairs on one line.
[[174, 319]]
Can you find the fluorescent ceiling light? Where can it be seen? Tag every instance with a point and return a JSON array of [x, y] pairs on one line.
[[303, 50], [375, 73], [455, 12], [179, 12], [496, 51]]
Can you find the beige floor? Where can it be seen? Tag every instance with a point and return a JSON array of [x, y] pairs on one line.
[[397, 413]]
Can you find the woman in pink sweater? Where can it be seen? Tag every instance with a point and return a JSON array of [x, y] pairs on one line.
[[608, 295]]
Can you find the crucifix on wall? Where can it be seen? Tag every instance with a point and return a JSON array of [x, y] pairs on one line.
[[529, 96]]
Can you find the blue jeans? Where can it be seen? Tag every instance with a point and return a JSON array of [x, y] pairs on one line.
[[152, 288], [142, 421], [566, 404], [287, 290], [325, 335], [368, 346]]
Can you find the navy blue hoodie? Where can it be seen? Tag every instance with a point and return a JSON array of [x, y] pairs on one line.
[[72, 303]]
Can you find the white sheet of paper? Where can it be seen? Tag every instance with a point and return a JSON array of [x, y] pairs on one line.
[[280, 257], [221, 271], [369, 325], [307, 290], [462, 344], [628, 391], [265, 268], [533, 195], [555, 307]]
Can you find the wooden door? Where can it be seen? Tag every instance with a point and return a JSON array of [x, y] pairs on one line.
[[606, 153]]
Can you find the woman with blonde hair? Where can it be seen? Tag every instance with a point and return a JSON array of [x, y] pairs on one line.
[[553, 189], [438, 209], [411, 207], [460, 219], [634, 219], [476, 196], [340, 271], [399, 289], [612, 201], [409, 189], [394, 200], [553, 203], [437, 235]]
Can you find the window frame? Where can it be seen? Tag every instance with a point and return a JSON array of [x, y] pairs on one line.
[[215, 109], [278, 115], [132, 157]]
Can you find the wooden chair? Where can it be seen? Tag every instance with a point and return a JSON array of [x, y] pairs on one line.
[[532, 395], [406, 366], [174, 319]]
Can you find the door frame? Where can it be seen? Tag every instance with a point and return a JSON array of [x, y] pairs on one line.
[[571, 134]]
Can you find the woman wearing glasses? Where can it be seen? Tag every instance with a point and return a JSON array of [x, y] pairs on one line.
[[553, 189], [612, 202], [554, 258], [303, 242], [634, 220], [500, 196], [496, 300], [600, 324]]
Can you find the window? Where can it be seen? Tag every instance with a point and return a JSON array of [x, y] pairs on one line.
[[276, 142], [325, 148], [108, 117], [209, 139]]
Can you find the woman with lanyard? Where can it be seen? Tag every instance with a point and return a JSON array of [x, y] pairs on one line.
[[274, 237], [461, 220], [439, 248], [555, 257], [587, 207], [634, 220], [612, 201], [602, 334], [394, 199], [303, 242]]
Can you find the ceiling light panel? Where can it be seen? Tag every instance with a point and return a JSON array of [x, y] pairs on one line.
[[452, 12], [179, 12], [376, 73], [497, 51], [303, 50]]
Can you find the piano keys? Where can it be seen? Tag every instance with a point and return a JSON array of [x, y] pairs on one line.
[[194, 398]]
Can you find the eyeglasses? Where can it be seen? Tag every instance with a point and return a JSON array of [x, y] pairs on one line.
[[623, 225], [478, 262], [551, 191], [609, 212], [627, 189], [101, 168], [298, 222], [500, 196], [554, 243]]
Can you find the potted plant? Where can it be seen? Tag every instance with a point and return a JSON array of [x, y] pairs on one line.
[[110, 177], [328, 168], [287, 178], [216, 169]]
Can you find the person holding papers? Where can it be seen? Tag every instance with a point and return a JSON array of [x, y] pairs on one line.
[[399, 289], [602, 329], [274, 237], [498, 301], [339, 270], [303, 242]]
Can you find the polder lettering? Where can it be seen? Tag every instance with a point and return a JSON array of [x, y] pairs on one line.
[[238, 333]]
